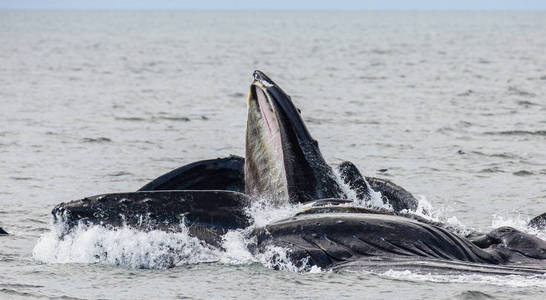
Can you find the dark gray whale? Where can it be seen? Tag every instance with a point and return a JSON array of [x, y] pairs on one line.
[[336, 239], [283, 164]]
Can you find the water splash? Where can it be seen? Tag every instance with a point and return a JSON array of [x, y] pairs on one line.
[[264, 212], [122, 246], [427, 211], [374, 199], [518, 222], [424, 208], [157, 249]]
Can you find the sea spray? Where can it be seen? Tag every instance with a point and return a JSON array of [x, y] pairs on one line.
[[518, 222], [155, 249], [374, 199], [123, 246]]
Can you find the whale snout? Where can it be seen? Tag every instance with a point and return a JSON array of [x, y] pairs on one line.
[[262, 78]]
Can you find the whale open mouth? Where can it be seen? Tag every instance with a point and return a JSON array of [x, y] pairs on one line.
[[265, 173], [269, 120], [282, 161]]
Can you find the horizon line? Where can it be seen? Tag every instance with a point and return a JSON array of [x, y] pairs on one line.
[[270, 9]]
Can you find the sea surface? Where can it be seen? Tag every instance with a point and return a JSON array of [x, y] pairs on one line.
[[449, 105]]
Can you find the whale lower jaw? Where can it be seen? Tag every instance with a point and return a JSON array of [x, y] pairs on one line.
[[208, 215]]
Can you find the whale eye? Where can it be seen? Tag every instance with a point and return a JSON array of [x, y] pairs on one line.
[[299, 110]]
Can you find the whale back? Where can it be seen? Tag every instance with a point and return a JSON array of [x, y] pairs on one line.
[[211, 174]]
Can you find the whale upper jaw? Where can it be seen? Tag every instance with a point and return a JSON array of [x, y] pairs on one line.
[[283, 162]]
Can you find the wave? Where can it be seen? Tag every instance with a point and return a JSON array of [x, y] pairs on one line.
[[506, 280], [517, 132], [96, 140]]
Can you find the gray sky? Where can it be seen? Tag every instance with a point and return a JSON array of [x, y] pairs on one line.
[[279, 4]]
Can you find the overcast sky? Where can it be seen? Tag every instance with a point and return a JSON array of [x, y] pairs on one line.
[[279, 4]]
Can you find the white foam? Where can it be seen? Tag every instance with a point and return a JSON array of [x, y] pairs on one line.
[[123, 246], [278, 258], [263, 212], [236, 250], [506, 280]]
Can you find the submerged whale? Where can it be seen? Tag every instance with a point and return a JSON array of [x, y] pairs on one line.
[[283, 165]]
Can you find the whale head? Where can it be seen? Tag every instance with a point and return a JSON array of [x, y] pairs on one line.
[[283, 162]]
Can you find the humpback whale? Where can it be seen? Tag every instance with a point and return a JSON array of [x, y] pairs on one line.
[[283, 165]]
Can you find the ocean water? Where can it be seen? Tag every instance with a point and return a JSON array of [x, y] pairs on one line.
[[450, 105]]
